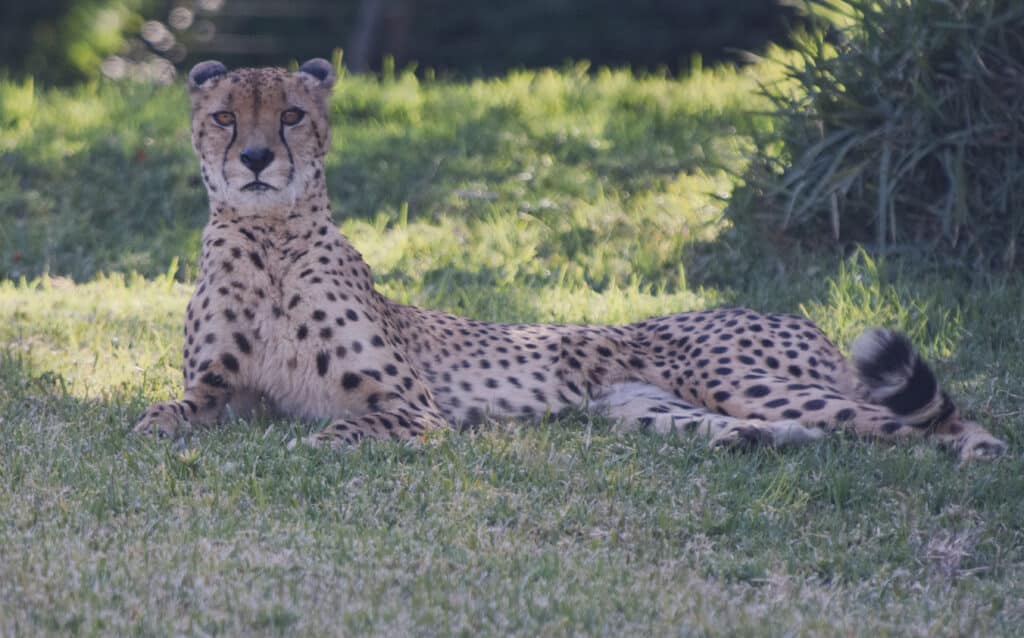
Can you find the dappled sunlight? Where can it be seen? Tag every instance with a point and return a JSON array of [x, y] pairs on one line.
[[17, 105], [615, 305], [593, 162], [586, 245], [859, 297], [580, 195], [99, 338]]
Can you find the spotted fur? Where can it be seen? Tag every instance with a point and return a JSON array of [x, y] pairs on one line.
[[285, 314]]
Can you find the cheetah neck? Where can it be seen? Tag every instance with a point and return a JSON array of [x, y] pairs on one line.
[[310, 209], [286, 238]]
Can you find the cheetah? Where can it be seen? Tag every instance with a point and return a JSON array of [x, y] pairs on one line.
[[285, 314]]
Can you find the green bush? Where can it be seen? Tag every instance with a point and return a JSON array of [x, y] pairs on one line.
[[905, 128]]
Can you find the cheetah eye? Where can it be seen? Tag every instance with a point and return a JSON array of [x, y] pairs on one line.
[[292, 116], [224, 118]]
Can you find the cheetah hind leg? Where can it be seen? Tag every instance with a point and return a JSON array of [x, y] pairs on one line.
[[399, 424], [643, 406]]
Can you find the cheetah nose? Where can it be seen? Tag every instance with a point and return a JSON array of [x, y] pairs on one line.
[[256, 159]]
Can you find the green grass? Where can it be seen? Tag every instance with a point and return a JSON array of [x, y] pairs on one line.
[[539, 197]]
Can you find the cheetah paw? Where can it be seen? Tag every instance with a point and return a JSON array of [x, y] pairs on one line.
[[742, 436], [794, 433], [162, 421], [308, 441], [982, 447]]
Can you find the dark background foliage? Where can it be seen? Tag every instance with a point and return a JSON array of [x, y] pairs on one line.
[[64, 40]]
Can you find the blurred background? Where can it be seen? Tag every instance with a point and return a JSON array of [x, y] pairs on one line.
[[63, 41], [895, 124]]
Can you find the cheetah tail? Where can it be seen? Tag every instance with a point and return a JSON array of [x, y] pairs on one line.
[[896, 377]]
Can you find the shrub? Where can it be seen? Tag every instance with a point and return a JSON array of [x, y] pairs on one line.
[[906, 128]]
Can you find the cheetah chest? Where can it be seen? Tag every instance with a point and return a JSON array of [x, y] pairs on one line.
[[300, 331]]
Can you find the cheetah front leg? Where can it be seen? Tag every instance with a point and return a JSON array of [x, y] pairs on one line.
[[400, 424], [204, 403]]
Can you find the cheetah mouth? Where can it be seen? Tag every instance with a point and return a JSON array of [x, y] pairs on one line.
[[258, 186]]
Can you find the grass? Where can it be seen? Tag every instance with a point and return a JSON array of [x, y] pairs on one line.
[[539, 197]]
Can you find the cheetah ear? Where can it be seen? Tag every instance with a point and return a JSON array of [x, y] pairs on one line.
[[320, 69], [203, 72]]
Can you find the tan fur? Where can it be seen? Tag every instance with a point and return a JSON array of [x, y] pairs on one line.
[[285, 313]]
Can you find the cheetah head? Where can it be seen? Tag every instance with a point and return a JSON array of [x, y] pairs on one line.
[[260, 134]]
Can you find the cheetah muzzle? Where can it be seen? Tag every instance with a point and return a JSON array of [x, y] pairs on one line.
[[285, 313]]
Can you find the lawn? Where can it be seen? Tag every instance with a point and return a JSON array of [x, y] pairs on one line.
[[550, 196]]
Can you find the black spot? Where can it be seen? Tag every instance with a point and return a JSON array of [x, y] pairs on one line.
[[230, 315], [721, 396], [352, 315], [214, 380], [376, 341], [814, 404], [603, 351], [474, 416], [256, 261], [491, 383], [294, 301], [792, 414], [210, 338], [319, 315], [323, 359], [302, 332], [229, 361], [326, 332], [242, 343], [846, 414], [776, 403], [390, 370], [756, 391], [795, 371], [891, 426], [350, 380], [772, 363]]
